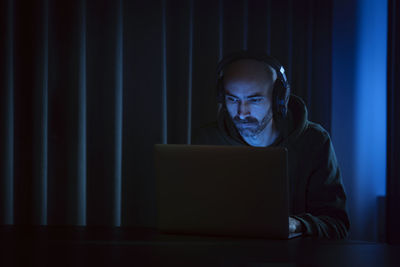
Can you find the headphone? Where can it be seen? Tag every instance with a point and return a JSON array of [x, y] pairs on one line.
[[281, 89]]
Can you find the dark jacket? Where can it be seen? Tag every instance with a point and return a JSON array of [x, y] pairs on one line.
[[317, 196]]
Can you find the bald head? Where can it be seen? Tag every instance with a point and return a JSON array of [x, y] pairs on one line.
[[250, 71]]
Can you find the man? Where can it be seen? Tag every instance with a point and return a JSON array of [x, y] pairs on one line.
[[254, 112]]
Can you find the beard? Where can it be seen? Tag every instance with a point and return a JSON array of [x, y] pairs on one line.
[[250, 126]]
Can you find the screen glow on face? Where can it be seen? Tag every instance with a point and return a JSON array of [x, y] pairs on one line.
[[254, 99], [248, 105]]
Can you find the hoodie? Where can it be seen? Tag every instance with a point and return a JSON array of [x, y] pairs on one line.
[[317, 197]]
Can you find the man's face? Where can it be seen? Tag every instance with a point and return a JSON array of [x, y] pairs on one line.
[[248, 95]]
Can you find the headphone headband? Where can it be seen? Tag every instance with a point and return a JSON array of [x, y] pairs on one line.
[[236, 56]]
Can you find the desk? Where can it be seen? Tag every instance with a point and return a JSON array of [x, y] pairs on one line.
[[101, 246]]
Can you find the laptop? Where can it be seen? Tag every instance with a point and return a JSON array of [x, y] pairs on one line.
[[222, 191]]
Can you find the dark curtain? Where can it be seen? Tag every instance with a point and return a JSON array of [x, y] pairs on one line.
[[88, 87], [393, 131]]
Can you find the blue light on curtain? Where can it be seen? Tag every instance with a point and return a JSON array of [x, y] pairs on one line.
[[82, 131], [370, 110], [371, 96], [42, 179], [118, 115], [359, 108]]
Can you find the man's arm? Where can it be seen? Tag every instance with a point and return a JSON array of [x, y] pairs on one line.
[[326, 214]]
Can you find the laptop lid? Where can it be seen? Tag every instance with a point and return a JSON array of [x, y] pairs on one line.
[[222, 190]]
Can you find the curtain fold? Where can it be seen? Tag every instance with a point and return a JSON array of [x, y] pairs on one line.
[[7, 113]]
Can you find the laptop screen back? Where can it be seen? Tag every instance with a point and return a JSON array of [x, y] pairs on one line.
[[222, 190]]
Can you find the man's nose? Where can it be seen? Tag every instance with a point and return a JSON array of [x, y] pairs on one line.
[[243, 110]]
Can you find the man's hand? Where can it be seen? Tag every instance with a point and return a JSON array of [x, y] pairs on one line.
[[295, 226]]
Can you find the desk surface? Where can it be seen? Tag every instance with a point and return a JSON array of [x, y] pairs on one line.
[[100, 246]]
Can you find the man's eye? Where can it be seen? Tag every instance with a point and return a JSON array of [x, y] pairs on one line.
[[233, 100], [256, 100]]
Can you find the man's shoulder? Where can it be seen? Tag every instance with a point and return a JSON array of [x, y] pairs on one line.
[[314, 136], [317, 131]]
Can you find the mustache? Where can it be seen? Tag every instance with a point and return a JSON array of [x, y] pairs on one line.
[[249, 120]]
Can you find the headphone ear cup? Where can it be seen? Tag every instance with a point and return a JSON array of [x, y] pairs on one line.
[[279, 100]]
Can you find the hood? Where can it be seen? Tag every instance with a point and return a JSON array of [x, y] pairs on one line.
[[294, 125]]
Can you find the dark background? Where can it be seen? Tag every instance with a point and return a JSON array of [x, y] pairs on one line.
[[88, 87]]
